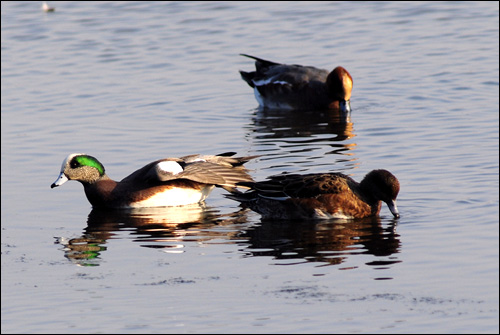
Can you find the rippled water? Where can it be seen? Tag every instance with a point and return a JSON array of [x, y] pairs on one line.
[[132, 82]]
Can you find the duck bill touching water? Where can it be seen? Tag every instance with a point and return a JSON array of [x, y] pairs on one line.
[[282, 86], [165, 182]]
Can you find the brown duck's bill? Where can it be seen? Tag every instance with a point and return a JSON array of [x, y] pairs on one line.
[[393, 208], [345, 106]]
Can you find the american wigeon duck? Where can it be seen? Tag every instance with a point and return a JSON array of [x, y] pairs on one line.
[[320, 196], [165, 182], [282, 86]]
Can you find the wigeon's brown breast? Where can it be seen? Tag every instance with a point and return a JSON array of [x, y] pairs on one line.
[[100, 193]]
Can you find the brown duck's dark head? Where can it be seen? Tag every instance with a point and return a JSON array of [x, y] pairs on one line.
[[382, 185]]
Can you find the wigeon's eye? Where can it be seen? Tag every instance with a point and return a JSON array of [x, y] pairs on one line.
[[74, 164]]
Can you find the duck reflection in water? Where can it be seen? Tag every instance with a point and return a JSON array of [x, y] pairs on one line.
[[161, 228], [330, 242], [289, 242], [276, 123], [298, 138]]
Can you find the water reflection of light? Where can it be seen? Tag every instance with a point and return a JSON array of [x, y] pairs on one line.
[[300, 141], [167, 229], [331, 242]]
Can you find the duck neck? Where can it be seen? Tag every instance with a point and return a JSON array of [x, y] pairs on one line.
[[100, 193], [367, 195]]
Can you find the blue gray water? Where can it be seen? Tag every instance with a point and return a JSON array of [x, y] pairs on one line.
[[132, 82]]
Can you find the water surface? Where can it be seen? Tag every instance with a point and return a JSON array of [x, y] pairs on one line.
[[132, 82]]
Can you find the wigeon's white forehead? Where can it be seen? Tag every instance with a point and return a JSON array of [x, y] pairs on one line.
[[68, 159], [170, 167]]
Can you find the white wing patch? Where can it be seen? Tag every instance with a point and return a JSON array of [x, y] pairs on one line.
[[170, 167]]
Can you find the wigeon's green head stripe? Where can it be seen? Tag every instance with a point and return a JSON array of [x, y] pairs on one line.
[[85, 160]]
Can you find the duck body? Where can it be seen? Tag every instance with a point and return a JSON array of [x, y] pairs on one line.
[[282, 86], [320, 196], [46, 8], [165, 182]]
